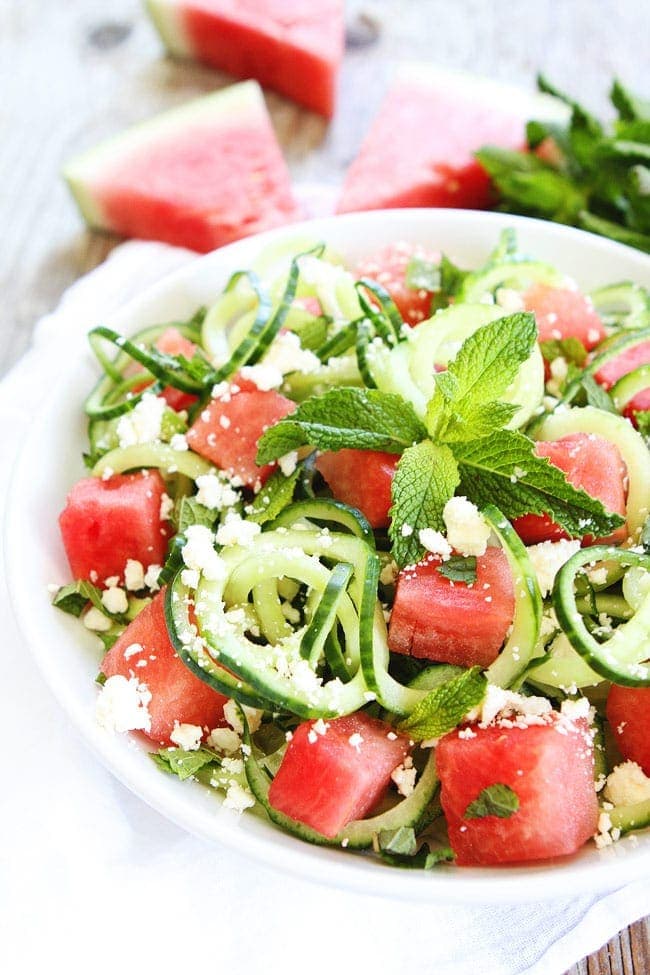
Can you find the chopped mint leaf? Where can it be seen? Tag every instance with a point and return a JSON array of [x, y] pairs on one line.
[[274, 497], [425, 479], [188, 511], [364, 419], [459, 568], [503, 470], [74, 597], [463, 405], [402, 841], [177, 761], [446, 706], [170, 424], [426, 858], [595, 395], [570, 349], [495, 800]]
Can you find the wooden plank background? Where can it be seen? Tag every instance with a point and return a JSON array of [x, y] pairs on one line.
[[75, 71]]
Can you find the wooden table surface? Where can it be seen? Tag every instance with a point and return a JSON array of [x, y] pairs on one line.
[[73, 72]]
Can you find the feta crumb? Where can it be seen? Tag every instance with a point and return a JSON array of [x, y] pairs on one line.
[[187, 736], [510, 300], [389, 573], [406, 531], [404, 777], [627, 784], [547, 559], [142, 423], [179, 442], [132, 650], [238, 798], [236, 531], [199, 553], [356, 740], [134, 575], [265, 377], [467, 532], [288, 463], [435, 542], [95, 620], [115, 600], [166, 507], [500, 704], [224, 740], [215, 492], [122, 705], [151, 577], [231, 714]]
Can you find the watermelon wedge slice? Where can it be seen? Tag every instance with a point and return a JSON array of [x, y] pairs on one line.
[[420, 149], [293, 46], [198, 176]]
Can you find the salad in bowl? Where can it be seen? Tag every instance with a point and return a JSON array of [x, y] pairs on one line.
[[363, 545]]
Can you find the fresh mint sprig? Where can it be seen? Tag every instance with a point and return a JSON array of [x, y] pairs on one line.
[[446, 706]]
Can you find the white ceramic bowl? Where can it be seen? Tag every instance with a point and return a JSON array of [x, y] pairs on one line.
[[51, 461]]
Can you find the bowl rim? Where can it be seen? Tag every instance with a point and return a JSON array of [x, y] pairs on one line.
[[606, 870]]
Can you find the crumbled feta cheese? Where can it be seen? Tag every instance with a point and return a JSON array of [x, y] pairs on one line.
[[215, 492], [265, 377], [356, 740], [166, 507], [151, 577], [134, 575], [187, 736], [435, 542], [467, 531], [95, 620], [179, 442], [199, 553], [122, 705], [406, 531], [236, 531], [500, 704], [231, 714], [238, 798], [224, 740], [389, 573], [510, 300], [142, 423], [547, 559], [598, 577], [404, 777], [115, 600], [288, 463], [627, 784], [132, 650], [286, 354]]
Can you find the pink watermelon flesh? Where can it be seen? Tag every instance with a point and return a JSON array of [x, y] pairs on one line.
[[562, 313], [200, 183], [638, 404], [361, 478], [590, 463], [620, 365], [419, 151], [453, 622], [550, 767], [106, 522], [293, 46], [176, 693], [327, 780], [173, 342], [388, 267], [227, 430], [628, 713]]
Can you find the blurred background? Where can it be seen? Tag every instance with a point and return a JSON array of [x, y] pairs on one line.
[[72, 73]]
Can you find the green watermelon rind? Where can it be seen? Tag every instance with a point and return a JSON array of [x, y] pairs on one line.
[[167, 19], [236, 102]]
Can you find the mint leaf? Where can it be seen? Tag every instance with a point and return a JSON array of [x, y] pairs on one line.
[[446, 706], [629, 106], [570, 349], [463, 404], [402, 841], [274, 497], [503, 470], [425, 479], [177, 761], [400, 848], [364, 419], [595, 395], [459, 568], [74, 597], [188, 511], [495, 800]]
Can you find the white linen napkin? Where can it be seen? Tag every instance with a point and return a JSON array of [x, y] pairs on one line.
[[93, 879]]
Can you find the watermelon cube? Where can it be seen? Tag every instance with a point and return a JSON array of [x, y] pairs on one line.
[[145, 651], [459, 623], [106, 522], [227, 430], [293, 46], [388, 267], [336, 771], [563, 313], [199, 176], [550, 767], [628, 712], [361, 478], [590, 463], [420, 149], [625, 362]]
